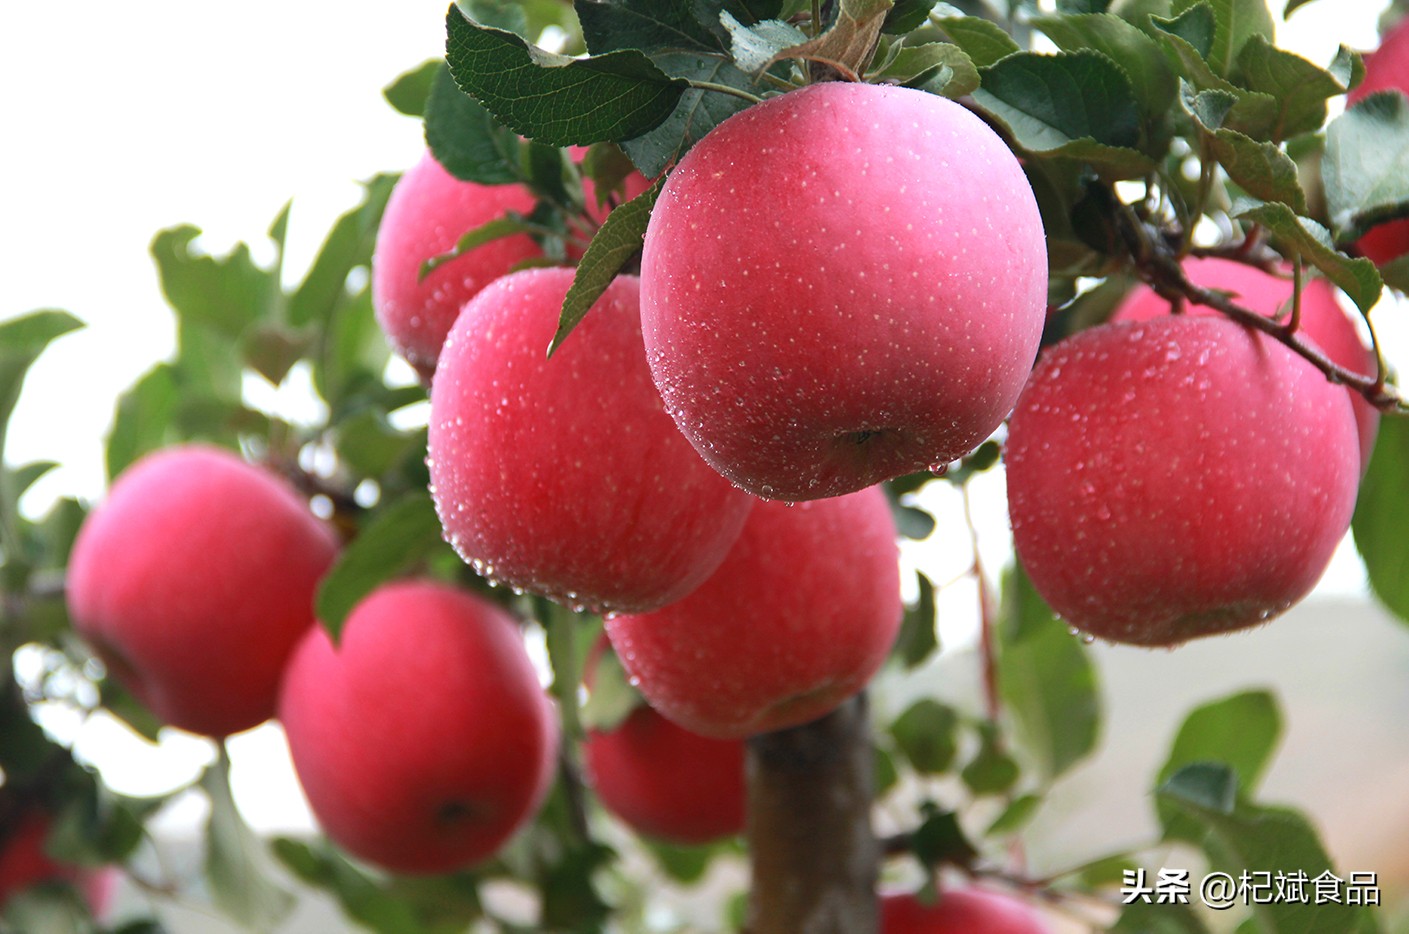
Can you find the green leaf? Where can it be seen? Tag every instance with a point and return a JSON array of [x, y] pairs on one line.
[[143, 419], [22, 340], [1366, 166], [684, 864], [1300, 88], [556, 99], [397, 537], [1134, 51], [359, 895], [906, 16], [52, 908], [1158, 918], [1240, 731], [1015, 816], [225, 294], [926, 734], [1358, 278], [236, 864], [271, 350], [1235, 22], [408, 93], [918, 638], [619, 239], [24, 477], [647, 25], [697, 112], [849, 42], [1260, 168], [467, 142], [323, 294], [1076, 105], [992, 771], [1293, 5], [937, 67], [1382, 515], [507, 225], [611, 698], [984, 41], [939, 839], [566, 656], [371, 447], [1082, 6], [1188, 38], [1046, 679], [757, 47]]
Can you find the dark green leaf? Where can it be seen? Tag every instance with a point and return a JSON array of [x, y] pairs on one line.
[[1135, 52], [1302, 235], [408, 93], [1300, 88], [1188, 38], [618, 240], [918, 639], [926, 734], [1241, 731], [991, 771], [1235, 22], [143, 419], [937, 67], [506, 226], [236, 864], [940, 839], [1046, 679], [685, 864], [1260, 168], [885, 775], [906, 16], [1212, 786], [271, 350], [555, 99], [1382, 515], [1083, 6], [225, 294], [1076, 105], [1366, 166], [1293, 5], [397, 537], [696, 113], [465, 139], [984, 41], [647, 25], [571, 901]]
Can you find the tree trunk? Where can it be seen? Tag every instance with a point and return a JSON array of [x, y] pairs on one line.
[[814, 856]]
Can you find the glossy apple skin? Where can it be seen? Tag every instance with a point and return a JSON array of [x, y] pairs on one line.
[[423, 740], [666, 782], [1177, 477], [1386, 69], [960, 911], [841, 285], [564, 476], [194, 581], [24, 864], [1323, 320], [796, 620], [427, 213]]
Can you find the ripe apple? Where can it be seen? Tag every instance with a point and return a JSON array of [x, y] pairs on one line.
[[429, 210], [841, 285], [960, 911], [564, 476], [797, 619], [422, 740], [1178, 477], [1323, 320], [193, 583], [664, 781], [1386, 69], [25, 864]]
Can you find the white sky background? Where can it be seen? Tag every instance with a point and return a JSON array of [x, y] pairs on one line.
[[121, 120]]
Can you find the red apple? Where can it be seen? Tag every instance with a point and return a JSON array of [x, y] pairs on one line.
[[1178, 477], [428, 212], [25, 864], [423, 739], [1386, 69], [796, 620], [1323, 320], [193, 583], [841, 285], [564, 476], [960, 911]]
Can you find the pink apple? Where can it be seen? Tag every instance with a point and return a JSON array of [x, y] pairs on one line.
[[960, 911], [1178, 477], [428, 212], [422, 740], [565, 476], [194, 581], [796, 620], [1323, 320], [841, 285], [1386, 69]]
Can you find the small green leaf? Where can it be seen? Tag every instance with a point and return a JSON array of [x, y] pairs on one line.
[[225, 294], [466, 141], [1083, 6], [984, 41], [618, 240], [1357, 278], [1382, 515], [1260, 168], [1135, 52], [143, 419], [757, 47], [236, 864], [937, 67], [1211, 786], [505, 226], [1015, 816], [1235, 23], [1240, 731], [359, 895], [555, 99], [697, 112], [939, 839], [926, 734], [1366, 166], [918, 638], [397, 537], [906, 16], [1300, 88], [992, 771], [684, 864], [408, 93]]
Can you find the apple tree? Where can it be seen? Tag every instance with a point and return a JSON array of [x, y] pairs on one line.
[[699, 300]]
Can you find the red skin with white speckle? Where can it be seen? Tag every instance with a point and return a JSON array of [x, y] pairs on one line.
[[1386, 69], [194, 581], [841, 285], [423, 740], [960, 911], [1178, 477], [1323, 320], [796, 620], [565, 476]]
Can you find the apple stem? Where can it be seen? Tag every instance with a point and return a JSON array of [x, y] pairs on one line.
[[987, 620], [813, 854]]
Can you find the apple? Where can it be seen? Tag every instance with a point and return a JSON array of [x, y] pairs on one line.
[[194, 581], [422, 740], [841, 285], [796, 620], [25, 864], [960, 911], [427, 213], [1323, 320], [564, 476], [1178, 477], [664, 781], [1386, 69]]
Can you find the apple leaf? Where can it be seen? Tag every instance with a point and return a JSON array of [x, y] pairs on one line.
[[1240, 731], [1366, 166], [620, 238], [1083, 6], [1357, 278], [849, 42], [469, 143], [408, 93], [985, 42], [1300, 88], [927, 734], [55, 908], [1381, 516], [236, 864], [22, 340], [143, 419], [611, 698], [991, 771], [1135, 52], [647, 25], [1046, 679], [918, 639], [223, 293], [556, 99], [937, 67], [906, 16], [696, 113], [1015, 816], [1162, 918], [1261, 168], [1235, 23], [756, 47]]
